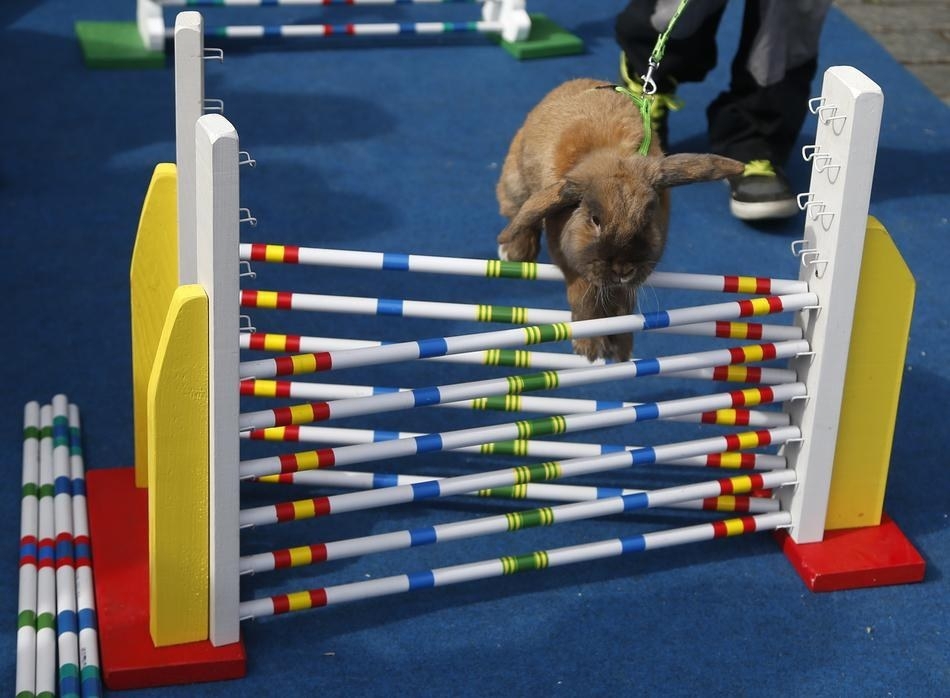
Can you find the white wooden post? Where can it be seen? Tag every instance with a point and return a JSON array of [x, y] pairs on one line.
[[151, 24], [217, 229], [513, 16], [189, 106], [836, 214]]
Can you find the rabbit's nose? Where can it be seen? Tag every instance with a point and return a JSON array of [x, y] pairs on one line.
[[625, 274]]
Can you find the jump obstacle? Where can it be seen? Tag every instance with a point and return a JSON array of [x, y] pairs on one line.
[[822, 491], [142, 43]]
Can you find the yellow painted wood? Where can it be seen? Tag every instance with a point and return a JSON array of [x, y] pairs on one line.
[[153, 278], [882, 318], [178, 473]]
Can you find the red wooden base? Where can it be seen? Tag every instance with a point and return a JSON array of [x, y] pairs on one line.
[[118, 523], [855, 558]]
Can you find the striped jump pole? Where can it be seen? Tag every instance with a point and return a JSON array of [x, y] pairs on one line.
[[444, 576], [506, 477], [356, 480], [506, 523], [397, 307], [67, 629], [520, 358], [498, 269], [259, 31], [527, 403], [503, 339], [533, 448], [309, 3], [524, 429], [29, 521], [510, 385], [475, 312], [505, 17], [46, 576], [89, 666]]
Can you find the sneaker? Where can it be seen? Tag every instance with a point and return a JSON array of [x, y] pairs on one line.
[[659, 110], [760, 192]]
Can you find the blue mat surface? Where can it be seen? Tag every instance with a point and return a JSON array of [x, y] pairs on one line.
[[395, 145]]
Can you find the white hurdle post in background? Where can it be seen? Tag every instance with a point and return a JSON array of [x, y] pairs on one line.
[[217, 237], [836, 214], [507, 18]]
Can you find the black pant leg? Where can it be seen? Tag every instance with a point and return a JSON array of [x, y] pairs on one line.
[[688, 58], [754, 122]]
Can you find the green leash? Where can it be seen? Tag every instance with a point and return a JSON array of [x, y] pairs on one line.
[[644, 101]]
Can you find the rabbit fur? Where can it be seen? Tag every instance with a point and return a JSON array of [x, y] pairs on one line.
[[573, 170]]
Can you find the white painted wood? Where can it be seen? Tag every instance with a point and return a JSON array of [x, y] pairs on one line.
[[151, 24], [189, 105], [849, 119], [216, 143]]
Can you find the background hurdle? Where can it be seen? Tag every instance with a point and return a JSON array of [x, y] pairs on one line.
[[812, 265], [142, 43]]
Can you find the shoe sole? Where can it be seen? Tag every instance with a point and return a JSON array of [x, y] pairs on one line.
[[761, 210]]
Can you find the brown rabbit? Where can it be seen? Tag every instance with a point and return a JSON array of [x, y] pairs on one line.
[[573, 169]]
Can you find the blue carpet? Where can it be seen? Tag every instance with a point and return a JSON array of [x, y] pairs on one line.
[[395, 146]]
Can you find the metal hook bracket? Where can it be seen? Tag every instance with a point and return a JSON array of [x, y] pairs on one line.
[[248, 272], [810, 151], [812, 258], [244, 158], [212, 104], [797, 247], [809, 355], [816, 210], [246, 217], [214, 54], [244, 324]]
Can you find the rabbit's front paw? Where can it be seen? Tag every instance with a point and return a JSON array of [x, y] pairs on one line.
[[520, 248], [591, 347], [618, 347]]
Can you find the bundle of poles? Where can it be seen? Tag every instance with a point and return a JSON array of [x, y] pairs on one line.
[[57, 637], [748, 494]]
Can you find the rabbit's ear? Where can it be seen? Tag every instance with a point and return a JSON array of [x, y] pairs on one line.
[[539, 205], [684, 168]]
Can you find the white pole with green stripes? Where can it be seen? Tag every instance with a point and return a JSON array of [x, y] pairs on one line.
[[496, 268], [67, 629], [29, 522], [521, 336], [46, 575], [515, 385], [89, 667], [544, 491], [541, 559], [506, 477], [523, 429], [533, 448]]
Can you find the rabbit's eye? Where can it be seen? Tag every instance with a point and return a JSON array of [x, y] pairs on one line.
[[595, 221]]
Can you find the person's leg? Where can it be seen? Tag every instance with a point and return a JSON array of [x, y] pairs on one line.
[[690, 51], [758, 119]]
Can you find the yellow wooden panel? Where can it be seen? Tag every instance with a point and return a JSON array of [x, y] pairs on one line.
[[153, 278], [178, 473], [882, 317]]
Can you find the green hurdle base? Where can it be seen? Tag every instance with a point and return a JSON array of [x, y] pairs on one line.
[[115, 45], [546, 40]]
